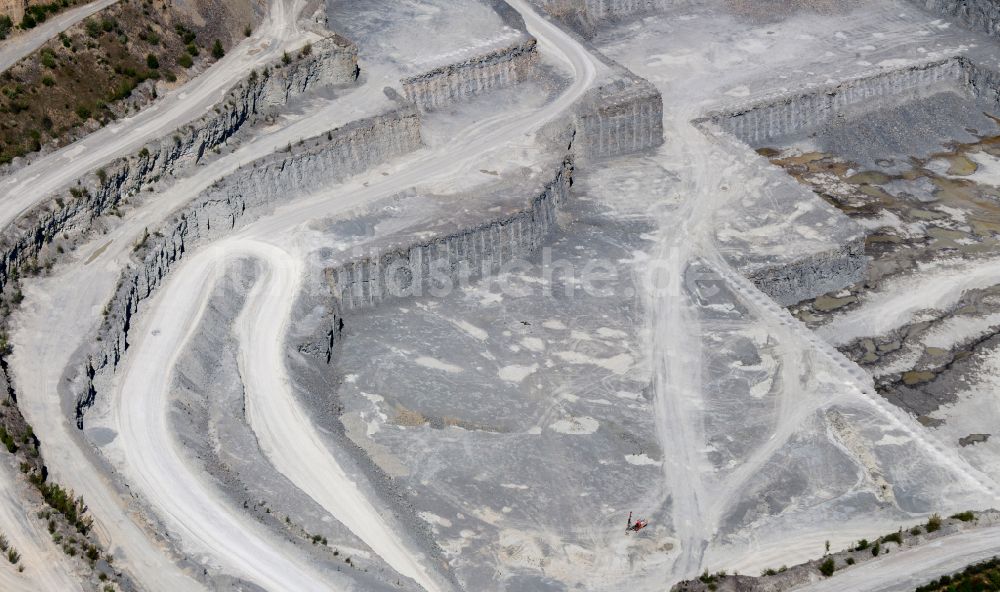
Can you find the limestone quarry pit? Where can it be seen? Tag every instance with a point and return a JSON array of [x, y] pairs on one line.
[[443, 295]]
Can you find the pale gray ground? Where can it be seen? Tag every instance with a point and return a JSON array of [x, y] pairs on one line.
[[496, 437]]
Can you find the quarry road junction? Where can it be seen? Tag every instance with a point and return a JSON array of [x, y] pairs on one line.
[[444, 295]]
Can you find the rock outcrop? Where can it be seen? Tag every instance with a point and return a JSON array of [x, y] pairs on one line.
[[586, 16], [812, 275], [621, 117], [238, 198], [791, 113], [473, 76], [443, 259], [332, 61], [978, 15]]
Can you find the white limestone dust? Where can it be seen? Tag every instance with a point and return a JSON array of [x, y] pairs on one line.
[[436, 364], [575, 426], [641, 460], [470, 329], [619, 364], [533, 344], [515, 373]]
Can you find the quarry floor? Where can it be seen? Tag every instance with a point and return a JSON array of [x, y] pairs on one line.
[[496, 437]]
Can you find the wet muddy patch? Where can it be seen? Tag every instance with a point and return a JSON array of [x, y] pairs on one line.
[[939, 207]]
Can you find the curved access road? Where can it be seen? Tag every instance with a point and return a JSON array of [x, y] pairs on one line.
[[153, 460]]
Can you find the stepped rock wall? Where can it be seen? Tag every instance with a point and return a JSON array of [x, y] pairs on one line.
[[477, 251], [460, 81], [622, 117], [332, 61], [791, 113], [237, 199]]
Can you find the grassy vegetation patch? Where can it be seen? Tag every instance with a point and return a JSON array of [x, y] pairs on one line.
[[88, 75]]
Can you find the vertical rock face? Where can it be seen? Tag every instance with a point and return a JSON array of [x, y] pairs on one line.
[[979, 15], [586, 16], [791, 113], [810, 274], [249, 190], [816, 274], [332, 61], [622, 117], [422, 267], [460, 81]]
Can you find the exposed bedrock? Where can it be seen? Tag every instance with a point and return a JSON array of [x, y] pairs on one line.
[[474, 76], [815, 274], [812, 272], [790, 113], [332, 61], [621, 117], [422, 267], [237, 199], [979, 15], [586, 16]]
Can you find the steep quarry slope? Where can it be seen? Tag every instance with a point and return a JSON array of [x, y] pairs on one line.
[[488, 138], [446, 335], [440, 52], [265, 93], [36, 182], [735, 209]]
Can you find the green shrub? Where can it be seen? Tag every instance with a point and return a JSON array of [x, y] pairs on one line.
[[151, 62], [92, 27], [933, 523], [48, 58], [108, 24], [83, 112], [28, 22], [966, 516], [850, 561], [185, 61], [48, 81], [876, 549], [217, 51], [5, 26], [7, 440], [862, 545], [896, 537], [827, 567]]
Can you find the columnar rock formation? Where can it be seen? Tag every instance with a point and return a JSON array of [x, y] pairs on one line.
[[586, 16], [621, 117], [238, 198], [416, 269], [809, 274], [499, 68], [332, 61], [790, 113]]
